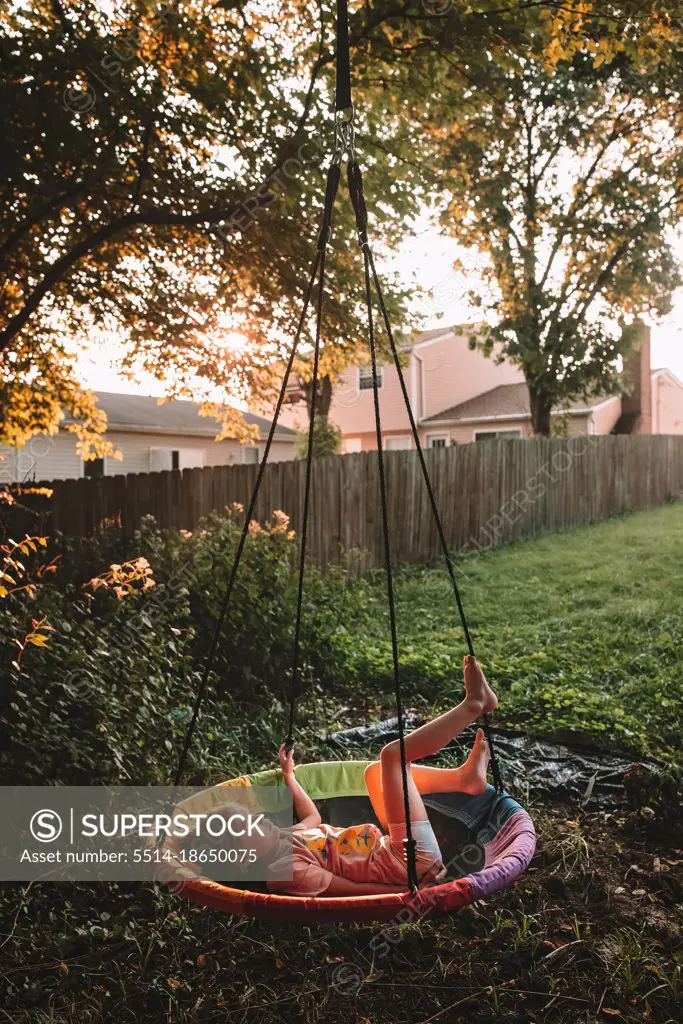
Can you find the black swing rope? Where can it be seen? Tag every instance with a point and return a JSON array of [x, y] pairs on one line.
[[361, 224], [495, 768], [211, 656], [323, 240], [344, 127]]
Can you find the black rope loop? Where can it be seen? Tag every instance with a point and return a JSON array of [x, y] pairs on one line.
[[495, 767], [331, 187], [225, 604], [344, 107], [355, 180]]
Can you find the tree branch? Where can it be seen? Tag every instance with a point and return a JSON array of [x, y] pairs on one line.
[[48, 207], [146, 218]]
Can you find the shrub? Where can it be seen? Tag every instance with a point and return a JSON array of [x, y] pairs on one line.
[[108, 698], [326, 439], [95, 703]]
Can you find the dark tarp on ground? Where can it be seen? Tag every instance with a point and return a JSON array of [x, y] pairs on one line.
[[529, 765]]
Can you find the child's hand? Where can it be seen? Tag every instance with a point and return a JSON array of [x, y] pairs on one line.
[[286, 763]]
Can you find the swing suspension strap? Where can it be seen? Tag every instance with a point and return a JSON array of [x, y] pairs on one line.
[[323, 240], [355, 188], [343, 103], [342, 99]]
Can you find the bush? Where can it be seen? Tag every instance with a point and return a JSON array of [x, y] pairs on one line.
[[108, 697], [326, 439], [96, 703]]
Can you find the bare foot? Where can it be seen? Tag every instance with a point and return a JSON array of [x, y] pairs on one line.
[[472, 774], [477, 689]]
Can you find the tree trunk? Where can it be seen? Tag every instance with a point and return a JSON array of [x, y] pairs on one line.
[[323, 398], [541, 407]]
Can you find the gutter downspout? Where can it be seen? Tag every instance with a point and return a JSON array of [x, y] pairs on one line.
[[420, 405]]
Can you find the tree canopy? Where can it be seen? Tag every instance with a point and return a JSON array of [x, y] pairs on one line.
[[163, 189], [164, 178], [568, 182]]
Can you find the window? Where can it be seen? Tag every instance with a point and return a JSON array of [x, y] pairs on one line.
[[160, 459], [293, 393], [438, 440], [164, 459], [396, 444], [190, 458], [352, 444], [94, 469], [365, 377], [497, 435], [250, 456]]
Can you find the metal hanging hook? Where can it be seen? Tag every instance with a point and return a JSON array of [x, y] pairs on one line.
[[344, 135]]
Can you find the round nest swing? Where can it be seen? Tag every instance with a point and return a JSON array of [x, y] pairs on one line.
[[497, 836], [494, 833]]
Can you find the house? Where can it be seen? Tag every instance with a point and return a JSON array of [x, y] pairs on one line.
[[459, 395], [504, 412], [150, 436], [667, 406]]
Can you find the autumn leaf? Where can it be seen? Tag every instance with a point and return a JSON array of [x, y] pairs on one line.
[[37, 639]]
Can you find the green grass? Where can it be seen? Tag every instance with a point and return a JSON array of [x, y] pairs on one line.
[[579, 632]]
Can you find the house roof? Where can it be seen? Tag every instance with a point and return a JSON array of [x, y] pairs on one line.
[[436, 332], [507, 401], [143, 413], [669, 373], [415, 340]]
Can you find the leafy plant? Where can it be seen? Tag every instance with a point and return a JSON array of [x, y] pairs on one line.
[[326, 439]]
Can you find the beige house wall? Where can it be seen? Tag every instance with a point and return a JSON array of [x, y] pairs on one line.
[[456, 434], [352, 410], [452, 373], [443, 372], [667, 404], [605, 416], [465, 433], [54, 457], [439, 374]]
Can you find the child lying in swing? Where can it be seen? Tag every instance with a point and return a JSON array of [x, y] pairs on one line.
[[362, 860]]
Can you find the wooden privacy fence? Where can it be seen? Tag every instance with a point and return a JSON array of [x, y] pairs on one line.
[[488, 493]]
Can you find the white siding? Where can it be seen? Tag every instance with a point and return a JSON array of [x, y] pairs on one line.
[[55, 457], [44, 457]]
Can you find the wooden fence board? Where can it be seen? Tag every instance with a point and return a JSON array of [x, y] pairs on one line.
[[488, 493]]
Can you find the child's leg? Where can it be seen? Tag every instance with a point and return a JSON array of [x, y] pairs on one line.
[[469, 777], [385, 787]]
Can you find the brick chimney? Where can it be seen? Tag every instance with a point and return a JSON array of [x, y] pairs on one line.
[[636, 404]]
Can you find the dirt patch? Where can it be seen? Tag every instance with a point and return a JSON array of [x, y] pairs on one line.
[[592, 932]]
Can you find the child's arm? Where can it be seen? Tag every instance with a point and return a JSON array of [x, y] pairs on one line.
[[307, 812]]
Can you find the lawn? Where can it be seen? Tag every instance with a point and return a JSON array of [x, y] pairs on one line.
[[579, 632]]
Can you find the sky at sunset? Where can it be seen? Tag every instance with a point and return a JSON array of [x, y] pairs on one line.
[[431, 257]]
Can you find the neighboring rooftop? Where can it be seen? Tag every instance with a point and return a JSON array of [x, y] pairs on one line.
[[145, 414], [507, 401], [412, 340]]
